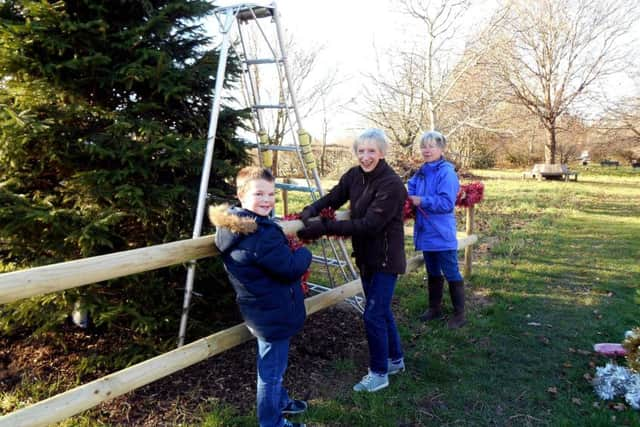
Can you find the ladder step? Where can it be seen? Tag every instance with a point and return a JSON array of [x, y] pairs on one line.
[[328, 261], [259, 12], [250, 144], [294, 187], [268, 106], [262, 61]]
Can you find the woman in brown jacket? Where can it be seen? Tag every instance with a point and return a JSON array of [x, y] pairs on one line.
[[376, 196]]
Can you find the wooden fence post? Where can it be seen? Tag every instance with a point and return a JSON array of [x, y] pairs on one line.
[[285, 198], [468, 251]]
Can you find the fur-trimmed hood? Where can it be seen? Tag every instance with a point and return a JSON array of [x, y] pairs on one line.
[[235, 219], [231, 224]]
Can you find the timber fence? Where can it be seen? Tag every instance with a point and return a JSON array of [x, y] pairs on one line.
[[66, 275]]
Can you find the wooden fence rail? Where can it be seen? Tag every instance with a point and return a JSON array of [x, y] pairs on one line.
[[86, 396], [51, 278], [21, 284]]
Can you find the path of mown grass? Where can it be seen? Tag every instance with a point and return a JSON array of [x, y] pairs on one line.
[[558, 271]]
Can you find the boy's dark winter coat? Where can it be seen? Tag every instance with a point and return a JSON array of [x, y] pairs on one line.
[[376, 199], [265, 274]]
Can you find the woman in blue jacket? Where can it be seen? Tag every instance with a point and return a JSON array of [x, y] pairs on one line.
[[433, 190]]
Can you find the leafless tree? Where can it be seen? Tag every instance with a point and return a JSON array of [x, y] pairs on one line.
[[427, 73], [554, 51]]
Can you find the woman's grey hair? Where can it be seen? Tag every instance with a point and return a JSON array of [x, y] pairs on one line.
[[374, 135], [434, 136]]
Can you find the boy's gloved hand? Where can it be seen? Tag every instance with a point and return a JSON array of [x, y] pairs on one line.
[[312, 231], [306, 214]]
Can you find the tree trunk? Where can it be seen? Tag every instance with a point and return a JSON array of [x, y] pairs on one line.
[[550, 146], [432, 116]]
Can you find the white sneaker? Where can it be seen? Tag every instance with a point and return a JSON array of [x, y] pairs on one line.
[[395, 367], [372, 382]]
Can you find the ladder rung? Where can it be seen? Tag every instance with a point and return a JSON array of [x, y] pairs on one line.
[[250, 144], [267, 106], [259, 12], [294, 187], [262, 61], [328, 261]]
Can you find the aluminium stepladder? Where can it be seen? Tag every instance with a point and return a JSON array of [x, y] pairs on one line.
[[269, 45]]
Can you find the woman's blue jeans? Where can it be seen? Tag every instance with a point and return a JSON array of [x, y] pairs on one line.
[[272, 397], [443, 263], [379, 324]]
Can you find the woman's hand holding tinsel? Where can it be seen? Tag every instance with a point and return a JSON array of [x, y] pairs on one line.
[[306, 214], [313, 230]]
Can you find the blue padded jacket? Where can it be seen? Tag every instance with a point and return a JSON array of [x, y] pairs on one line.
[[436, 183], [265, 274]]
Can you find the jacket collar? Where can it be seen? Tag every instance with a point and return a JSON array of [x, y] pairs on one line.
[[380, 168], [430, 166]]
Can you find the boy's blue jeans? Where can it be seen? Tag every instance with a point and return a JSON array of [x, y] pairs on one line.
[[272, 397], [379, 324], [443, 263]]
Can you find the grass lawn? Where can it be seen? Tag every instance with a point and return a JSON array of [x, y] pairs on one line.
[[557, 269]]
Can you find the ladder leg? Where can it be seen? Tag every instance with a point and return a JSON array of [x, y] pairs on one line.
[[206, 169]]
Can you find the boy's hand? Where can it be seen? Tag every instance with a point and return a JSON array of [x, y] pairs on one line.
[[312, 231], [306, 214]]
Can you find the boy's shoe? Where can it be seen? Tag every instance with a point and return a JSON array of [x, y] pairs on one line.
[[288, 423], [296, 407], [372, 382], [395, 367]]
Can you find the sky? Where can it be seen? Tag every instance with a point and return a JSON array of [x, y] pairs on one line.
[[347, 35], [351, 33]]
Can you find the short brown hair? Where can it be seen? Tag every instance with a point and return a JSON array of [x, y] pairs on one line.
[[252, 173]]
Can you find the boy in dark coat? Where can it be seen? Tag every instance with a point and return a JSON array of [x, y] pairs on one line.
[[265, 273]]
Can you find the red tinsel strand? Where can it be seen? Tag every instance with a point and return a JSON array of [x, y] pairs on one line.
[[470, 194], [304, 282], [408, 210], [291, 216], [295, 244], [328, 213]]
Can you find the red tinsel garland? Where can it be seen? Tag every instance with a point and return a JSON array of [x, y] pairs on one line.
[[295, 244], [470, 194], [408, 210], [328, 213]]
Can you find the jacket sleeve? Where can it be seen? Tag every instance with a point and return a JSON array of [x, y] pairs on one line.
[[274, 256], [335, 198], [411, 185], [388, 201], [443, 198]]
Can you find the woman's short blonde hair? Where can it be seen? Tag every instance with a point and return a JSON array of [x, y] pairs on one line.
[[374, 135]]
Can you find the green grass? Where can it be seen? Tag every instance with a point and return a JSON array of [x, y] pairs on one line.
[[557, 270]]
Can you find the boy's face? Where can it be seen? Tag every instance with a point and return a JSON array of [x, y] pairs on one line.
[[259, 196]]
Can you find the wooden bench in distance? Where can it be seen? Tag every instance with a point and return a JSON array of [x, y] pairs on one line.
[[550, 171]]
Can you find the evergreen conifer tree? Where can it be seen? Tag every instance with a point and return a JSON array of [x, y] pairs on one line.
[[104, 108]]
